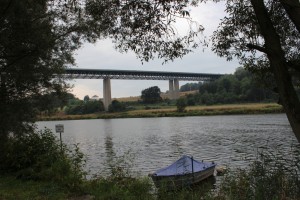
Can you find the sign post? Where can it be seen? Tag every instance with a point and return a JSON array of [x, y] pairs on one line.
[[59, 128]]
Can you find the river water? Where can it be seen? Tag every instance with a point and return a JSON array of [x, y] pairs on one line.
[[152, 143]]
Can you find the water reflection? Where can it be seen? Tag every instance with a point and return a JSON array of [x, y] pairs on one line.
[[157, 142], [109, 145]]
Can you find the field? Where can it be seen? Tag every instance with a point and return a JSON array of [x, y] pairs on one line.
[[171, 111]]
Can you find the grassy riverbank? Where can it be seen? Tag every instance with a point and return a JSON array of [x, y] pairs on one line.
[[170, 111], [267, 178], [105, 189], [34, 166]]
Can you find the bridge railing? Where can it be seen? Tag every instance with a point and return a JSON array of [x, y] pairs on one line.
[[137, 75]]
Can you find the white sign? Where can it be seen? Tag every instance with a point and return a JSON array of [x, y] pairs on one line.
[[59, 128]]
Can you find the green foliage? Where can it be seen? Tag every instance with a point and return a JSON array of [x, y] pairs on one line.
[[37, 42], [116, 106], [86, 98], [49, 103], [265, 37], [12, 189], [34, 47], [144, 26], [240, 87], [240, 35], [81, 107], [269, 177], [181, 104], [151, 95], [189, 87], [39, 156]]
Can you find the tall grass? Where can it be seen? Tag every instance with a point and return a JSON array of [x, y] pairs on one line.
[[271, 176]]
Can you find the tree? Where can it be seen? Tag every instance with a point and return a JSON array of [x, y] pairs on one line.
[[86, 98], [151, 95], [81, 107], [33, 47], [181, 104], [189, 87], [146, 27], [265, 36], [116, 106], [37, 41]]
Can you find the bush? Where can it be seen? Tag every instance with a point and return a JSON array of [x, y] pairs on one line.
[[116, 106], [151, 95], [269, 177], [85, 108], [39, 156], [181, 104]]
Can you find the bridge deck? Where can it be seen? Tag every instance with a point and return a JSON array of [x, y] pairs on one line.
[[137, 75]]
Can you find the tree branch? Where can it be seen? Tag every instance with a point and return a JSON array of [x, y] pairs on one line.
[[256, 47], [292, 7]]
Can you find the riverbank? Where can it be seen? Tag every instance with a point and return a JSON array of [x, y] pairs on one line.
[[261, 180], [12, 188], [171, 111]]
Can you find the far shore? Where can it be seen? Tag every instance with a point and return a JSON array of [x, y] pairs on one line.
[[170, 111]]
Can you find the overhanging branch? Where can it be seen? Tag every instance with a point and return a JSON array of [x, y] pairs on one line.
[[256, 47]]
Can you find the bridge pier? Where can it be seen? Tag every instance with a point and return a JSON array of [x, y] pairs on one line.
[[176, 89], [173, 89], [106, 93]]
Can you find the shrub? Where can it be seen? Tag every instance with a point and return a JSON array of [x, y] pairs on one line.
[[269, 177], [39, 156], [85, 108], [116, 106], [181, 104]]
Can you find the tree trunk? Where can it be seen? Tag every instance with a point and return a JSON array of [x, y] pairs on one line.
[[276, 56], [292, 7]]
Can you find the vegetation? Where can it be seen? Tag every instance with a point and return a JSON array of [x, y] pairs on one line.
[[58, 174], [39, 156], [34, 47], [171, 111], [240, 87], [79, 107], [48, 104], [37, 42], [116, 106], [181, 104], [190, 87], [151, 95], [270, 176], [265, 36]]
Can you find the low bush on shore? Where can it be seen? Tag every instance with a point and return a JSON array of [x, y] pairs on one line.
[[38, 156], [269, 177]]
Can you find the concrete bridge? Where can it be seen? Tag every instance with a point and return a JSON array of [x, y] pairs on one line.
[[108, 74]]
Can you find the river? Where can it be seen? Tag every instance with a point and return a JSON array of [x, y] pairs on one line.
[[148, 144]]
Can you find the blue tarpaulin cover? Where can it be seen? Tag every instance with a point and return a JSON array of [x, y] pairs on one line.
[[183, 166]]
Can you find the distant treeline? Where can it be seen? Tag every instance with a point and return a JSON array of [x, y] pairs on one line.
[[239, 87], [48, 104]]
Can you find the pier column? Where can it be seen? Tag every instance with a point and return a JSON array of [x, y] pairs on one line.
[[176, 89], [106, 93], [171, 89]]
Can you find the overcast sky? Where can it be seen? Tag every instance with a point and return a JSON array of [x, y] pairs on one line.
[[102, 55]]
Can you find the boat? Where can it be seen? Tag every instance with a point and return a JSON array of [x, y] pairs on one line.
[[182, 173]]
